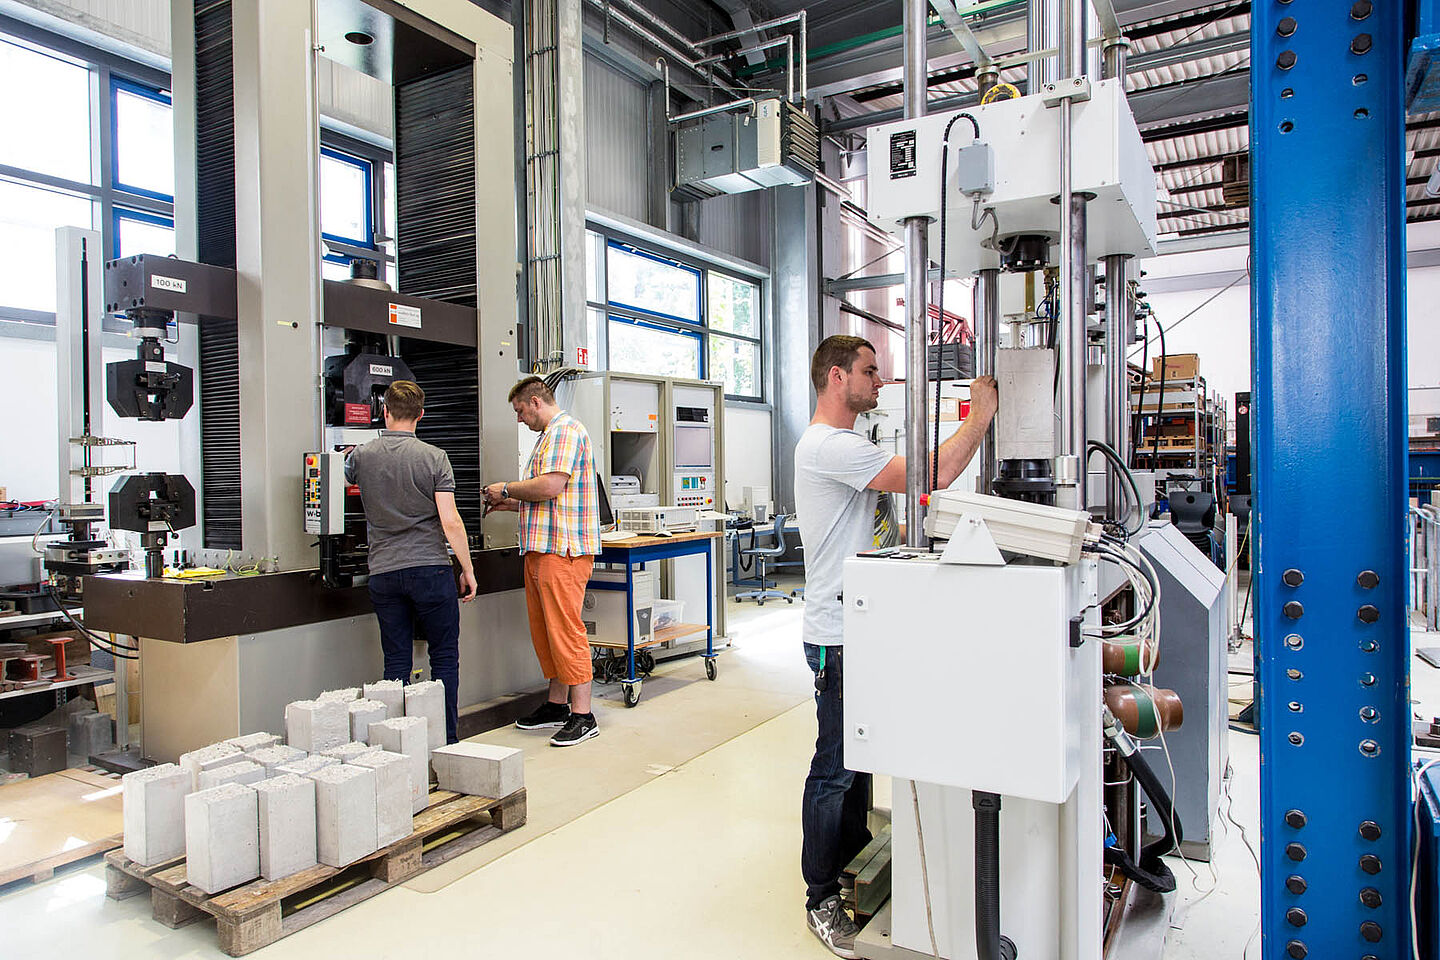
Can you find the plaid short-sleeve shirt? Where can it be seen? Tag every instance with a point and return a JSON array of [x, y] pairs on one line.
[[568, 525]]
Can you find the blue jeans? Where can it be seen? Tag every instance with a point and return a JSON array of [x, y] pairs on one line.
[[427, 594], [836, 807]]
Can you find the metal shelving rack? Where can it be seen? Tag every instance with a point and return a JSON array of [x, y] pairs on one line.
[[1187, 398]]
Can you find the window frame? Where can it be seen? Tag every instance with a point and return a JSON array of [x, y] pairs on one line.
[[613, 310], [117, 85], [120, 212]]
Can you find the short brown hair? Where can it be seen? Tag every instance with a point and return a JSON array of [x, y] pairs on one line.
[[530, 387], [837, 351], [405, 400]]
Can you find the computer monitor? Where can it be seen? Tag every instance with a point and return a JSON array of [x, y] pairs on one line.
[[607, 516]]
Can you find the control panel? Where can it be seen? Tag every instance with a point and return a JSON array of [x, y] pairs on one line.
[[324, 492], [695, 490]]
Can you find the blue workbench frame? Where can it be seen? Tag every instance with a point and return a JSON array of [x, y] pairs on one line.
[[1327, 139], [653, 552]]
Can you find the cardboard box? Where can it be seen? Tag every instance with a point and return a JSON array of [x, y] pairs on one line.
[[1180, 366]]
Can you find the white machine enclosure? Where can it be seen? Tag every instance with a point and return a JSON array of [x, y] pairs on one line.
[[1109, 161], [963, 676]]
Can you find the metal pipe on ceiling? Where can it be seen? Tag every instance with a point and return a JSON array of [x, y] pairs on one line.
[[659, 43]]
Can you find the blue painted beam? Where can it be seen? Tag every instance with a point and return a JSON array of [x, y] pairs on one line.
[[1330, 475]]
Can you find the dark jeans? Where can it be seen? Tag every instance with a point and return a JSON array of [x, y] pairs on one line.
[[429, 595], [837, 801]]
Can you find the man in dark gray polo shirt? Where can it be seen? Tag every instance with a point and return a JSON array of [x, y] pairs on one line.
[[408, 489]]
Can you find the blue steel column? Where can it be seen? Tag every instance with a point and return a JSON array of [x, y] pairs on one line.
[[1328, 324]]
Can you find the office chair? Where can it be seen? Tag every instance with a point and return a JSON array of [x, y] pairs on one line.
[[762, 555]]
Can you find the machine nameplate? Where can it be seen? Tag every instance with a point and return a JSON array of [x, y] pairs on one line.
[[167, 283], [902, 154], [404, 315]]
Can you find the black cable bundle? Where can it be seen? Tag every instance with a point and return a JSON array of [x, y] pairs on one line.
[[1150, 872]]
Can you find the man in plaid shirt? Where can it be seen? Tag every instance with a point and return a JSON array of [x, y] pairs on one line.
[[560, 538]]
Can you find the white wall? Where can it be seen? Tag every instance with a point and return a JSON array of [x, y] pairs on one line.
[[747, 451], [1220, 331]]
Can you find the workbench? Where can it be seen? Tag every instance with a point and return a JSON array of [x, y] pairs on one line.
[[652, 549]]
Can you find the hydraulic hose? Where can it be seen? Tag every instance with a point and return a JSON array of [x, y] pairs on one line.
[[989, 944], [1150, 872]]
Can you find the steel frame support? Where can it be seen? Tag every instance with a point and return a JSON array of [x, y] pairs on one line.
[[1328, 242], [917, 296]]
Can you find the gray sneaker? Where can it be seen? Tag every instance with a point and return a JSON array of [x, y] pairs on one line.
[[833, 926]]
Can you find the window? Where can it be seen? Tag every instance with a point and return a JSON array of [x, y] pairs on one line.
[[654, 349], [652, 313], [46, 114], [144, 140], [137, 232], [345, 198], [28, 218]]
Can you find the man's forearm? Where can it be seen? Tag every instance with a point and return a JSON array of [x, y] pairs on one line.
[[957, 452], [459, 542], [534, 490]]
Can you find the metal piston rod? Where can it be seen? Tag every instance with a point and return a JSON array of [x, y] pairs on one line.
[[917, 281]]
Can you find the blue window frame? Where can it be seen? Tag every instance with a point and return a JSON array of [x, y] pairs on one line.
[[649, 284], [663, 349], [121, 215], [138, 95], [349, 220]]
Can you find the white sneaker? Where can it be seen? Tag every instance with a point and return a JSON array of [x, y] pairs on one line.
[[833, 926]]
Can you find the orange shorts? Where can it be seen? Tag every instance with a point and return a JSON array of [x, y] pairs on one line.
[[554, 595]]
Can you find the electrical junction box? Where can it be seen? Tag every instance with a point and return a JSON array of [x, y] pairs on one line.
[[1109, 161], [974, 169], [324, 493], [1016, 694]]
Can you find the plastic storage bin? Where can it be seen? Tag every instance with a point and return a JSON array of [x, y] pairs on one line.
[[667, 613]]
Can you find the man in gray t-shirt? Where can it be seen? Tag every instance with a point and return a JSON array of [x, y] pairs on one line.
[[408, 489], [838, 479]]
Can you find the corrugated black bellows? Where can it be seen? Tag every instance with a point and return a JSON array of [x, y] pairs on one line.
[[219, 345], [435, 205]]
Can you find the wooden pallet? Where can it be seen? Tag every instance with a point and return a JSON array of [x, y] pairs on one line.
[[61, 819], [256, 914]]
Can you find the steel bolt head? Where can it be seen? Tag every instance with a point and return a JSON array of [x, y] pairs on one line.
[[1368, 613], [1295, 818], [1294, 609], [1370, 897], [1293, 577], [1296, 917], [1371, 931], [1297, 949], [1296, 884], [1370, 864], [1295, 851], [1370, 830]]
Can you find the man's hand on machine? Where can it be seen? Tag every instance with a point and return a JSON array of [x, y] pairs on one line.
[[984, 397], [512, 505]]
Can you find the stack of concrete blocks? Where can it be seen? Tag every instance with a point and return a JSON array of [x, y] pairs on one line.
[[389, 692], [207, 758], [251, 742], [427, 700], [241, 771], [344, 693], [317, 725], [287, 825], [394, 815], [362, 714], [222, 837], [154, 813], [410, 736], [345, 813], [278, 755], [347, 752], [479, 769], [306, 765]]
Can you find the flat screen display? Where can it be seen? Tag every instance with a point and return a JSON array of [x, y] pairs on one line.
[[692, 446]]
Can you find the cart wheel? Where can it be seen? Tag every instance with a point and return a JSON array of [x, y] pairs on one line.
[[645, 662], [789, 599], [710, 669], [632, 693], [760, 602]]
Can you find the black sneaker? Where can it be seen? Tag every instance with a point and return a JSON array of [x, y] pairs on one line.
[[548, 715], [580, 726], [833, 926]]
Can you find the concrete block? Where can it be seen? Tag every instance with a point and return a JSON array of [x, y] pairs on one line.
[[276, 756], [362, 714], [347, 752], [38, 750], [394, 816], [345, 827], [251, 742], [427, 699], [207, 758], [410, 736], [389, 692], [317, 725], [91, 733], [222, 837], [287, 825], [306, 765], [344, 693], [241, 771], [479, 769], [154, 804]]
